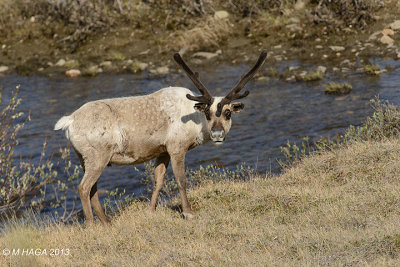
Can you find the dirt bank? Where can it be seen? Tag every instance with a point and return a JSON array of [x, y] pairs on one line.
[[133, 36]]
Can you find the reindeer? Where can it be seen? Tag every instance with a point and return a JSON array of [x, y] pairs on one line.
[[163, 125]]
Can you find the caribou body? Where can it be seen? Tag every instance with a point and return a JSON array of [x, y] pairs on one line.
[[163, 125]]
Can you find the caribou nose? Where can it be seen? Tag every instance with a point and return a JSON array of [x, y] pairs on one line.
[[218, 136]]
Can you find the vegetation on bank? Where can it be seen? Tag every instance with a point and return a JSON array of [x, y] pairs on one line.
[[334, 205], [90, 33]]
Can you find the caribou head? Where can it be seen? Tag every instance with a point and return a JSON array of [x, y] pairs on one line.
[[218, 110]]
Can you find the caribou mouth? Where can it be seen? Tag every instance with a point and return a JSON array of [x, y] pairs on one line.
[[218, 142]]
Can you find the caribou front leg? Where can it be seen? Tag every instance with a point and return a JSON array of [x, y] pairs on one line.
[[178, 167]]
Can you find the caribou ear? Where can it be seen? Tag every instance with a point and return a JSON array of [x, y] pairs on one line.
[[237, 107], [200, 107]]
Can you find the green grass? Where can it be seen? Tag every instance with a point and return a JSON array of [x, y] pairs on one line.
[[338, 88], [372, 69]]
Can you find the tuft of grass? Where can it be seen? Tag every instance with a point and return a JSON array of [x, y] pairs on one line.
[[372, 69], [117, 56], [315, 75], [338, 88], [209, 33]]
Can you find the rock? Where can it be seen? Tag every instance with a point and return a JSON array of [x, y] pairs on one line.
[[395, 25], [3, 69], [294, 27], [299, 5], [60, 63], [222, 14], [374, 36], [160, 70], [143, 66], [73, 73], [294, 20], [92, 71], [386, 40], [336, 48], [321, 69], [292, 68], [138, 66], [387, 32], [206, 55], [345, 62], [263, 79], [278, 47], [106, 64], [319, 46]]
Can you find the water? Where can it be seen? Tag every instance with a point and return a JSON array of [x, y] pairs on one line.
[[275, 112]]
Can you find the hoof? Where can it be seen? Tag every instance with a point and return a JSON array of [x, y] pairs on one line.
[[149, 210], [188, 215]]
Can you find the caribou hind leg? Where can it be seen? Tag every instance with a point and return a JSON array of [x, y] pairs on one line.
[[93, 166], [160, 171], [98, 209]]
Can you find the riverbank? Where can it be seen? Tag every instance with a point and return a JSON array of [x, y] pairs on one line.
[[336, 208], [119, 36]]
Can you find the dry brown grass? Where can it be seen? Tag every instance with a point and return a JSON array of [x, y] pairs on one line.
[[208, 34], [337, 208]]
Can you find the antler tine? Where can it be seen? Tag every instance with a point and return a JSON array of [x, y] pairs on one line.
[[205, 95], [246, 78], [234, 93]]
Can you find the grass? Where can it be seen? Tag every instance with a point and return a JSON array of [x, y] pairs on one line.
[[338, 88], [315, 75], [372, 69], [337, 208]]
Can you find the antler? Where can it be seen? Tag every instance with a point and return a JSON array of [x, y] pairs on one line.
[[205, 95], [234, 93]]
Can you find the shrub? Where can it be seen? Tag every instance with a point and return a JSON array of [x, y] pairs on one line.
[[24, 184]]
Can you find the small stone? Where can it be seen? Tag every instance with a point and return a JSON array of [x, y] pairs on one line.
[[278, 47], [299, 5], [395, 25], [294, 20], [3, 68], [374, 36], [345, 62], [318, 40], [292, 68], [336, 48], [221, 14], [324, 56], [321, 69], [60, 63], [106, 64], [319, 46], [92, 70], [206, 55], [263, 79], [294, 27], [386, 40], [387, 32], [73, 73], [32, 19], [160, 70], [143, 66]]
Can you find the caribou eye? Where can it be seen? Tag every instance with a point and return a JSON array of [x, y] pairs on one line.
[[228, 114], [207, 113]]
